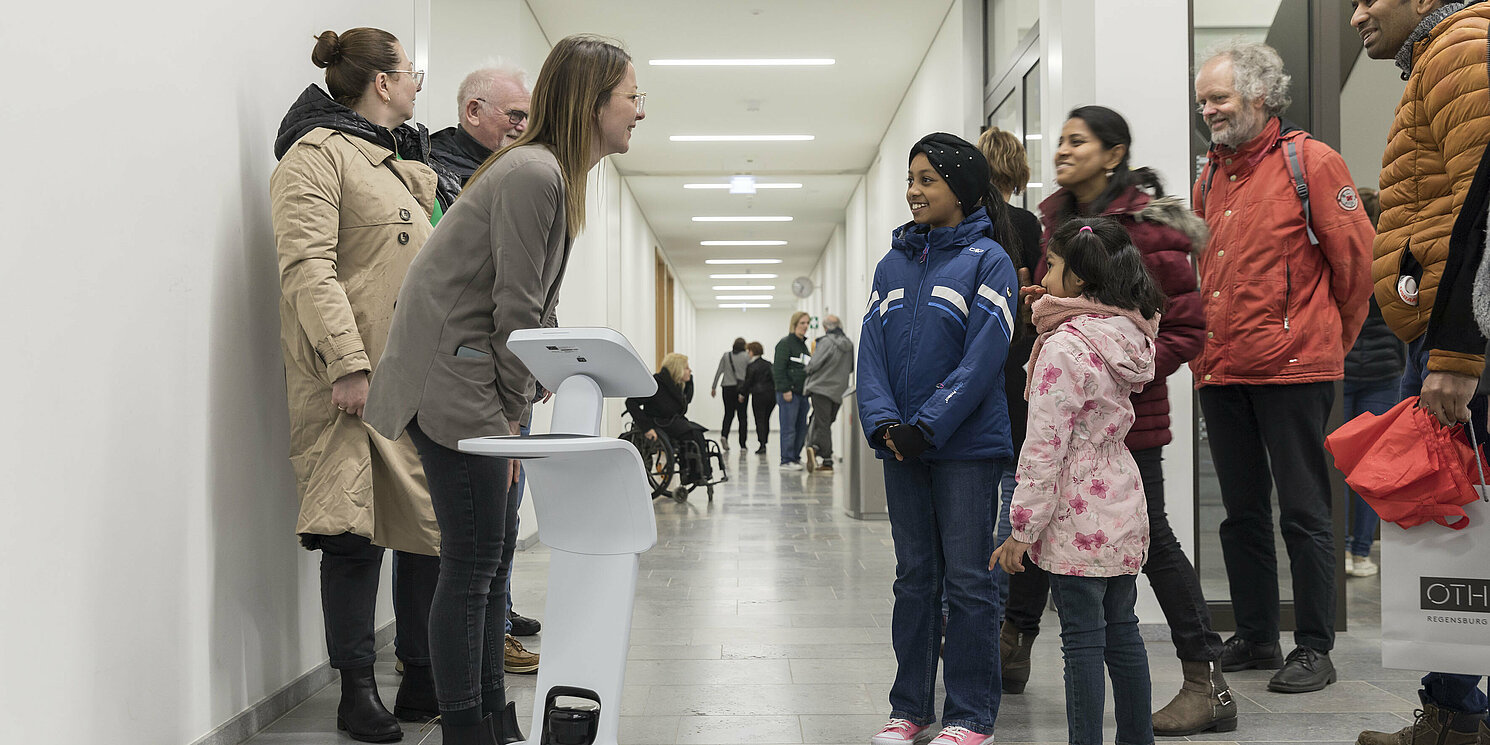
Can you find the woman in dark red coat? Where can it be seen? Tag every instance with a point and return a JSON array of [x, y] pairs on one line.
[[1091, 167]]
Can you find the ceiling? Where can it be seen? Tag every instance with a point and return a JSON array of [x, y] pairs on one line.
[[878, 45]]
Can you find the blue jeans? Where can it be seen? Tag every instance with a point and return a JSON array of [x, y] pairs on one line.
[[941, 519], [1005, 498], [793, 426], [1450, 690], [1097, 624], [516, 495], [1363, 398]]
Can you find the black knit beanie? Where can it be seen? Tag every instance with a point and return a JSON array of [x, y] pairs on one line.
[[960, 164]]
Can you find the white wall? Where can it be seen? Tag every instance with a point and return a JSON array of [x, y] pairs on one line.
[[1368, 104], [155, 584]]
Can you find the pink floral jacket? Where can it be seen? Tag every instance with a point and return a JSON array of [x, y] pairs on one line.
[[1080, 502]]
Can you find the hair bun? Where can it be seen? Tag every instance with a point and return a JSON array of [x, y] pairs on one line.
[[328, 49]]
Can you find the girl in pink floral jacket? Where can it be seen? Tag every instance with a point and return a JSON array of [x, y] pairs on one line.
[[1079, 509]]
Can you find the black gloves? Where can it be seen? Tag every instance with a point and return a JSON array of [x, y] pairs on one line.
[[909, 440]]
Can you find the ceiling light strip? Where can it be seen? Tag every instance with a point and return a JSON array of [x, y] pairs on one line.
[[747, 62], [743, 276], [744, 297], [742, 138], [744, 218], [758, 185], [743, 288], [744, 305], [742, 243], [742, 261]]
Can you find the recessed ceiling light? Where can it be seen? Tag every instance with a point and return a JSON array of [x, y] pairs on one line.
[[742, 243], [742, 276], [744, 218], [744, 305], [758, 185], [742, 138], [744, 297], [741, 62], [743, 288], [742, 261]]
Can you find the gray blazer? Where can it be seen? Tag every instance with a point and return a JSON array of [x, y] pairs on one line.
[[493, 266]]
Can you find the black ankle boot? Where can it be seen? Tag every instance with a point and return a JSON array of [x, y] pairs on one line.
[[361, 713], [504, 728], [416, 700], [472, 734]]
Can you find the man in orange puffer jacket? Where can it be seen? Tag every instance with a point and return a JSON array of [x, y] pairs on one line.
[[1433, 152]]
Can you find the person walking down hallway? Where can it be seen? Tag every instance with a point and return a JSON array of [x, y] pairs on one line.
[[827, 379], [1284, 281], [1424, 272], [732, 370], [760, 387], [1092, 167], [353, 202], [496, 265], [789, 372]]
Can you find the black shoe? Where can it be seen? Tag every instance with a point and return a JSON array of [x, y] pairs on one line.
[[1240, 654], [416, 700], [761, 450], [1306, 670], [504, 729], [361, 713], [524, 626]]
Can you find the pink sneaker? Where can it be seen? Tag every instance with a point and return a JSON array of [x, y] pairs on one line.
[[899, 732], [960, 736]]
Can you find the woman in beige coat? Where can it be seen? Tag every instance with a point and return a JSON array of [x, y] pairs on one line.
[[494, 266], [352, 204]]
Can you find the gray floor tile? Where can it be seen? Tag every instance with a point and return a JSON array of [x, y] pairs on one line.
[[765, 730]]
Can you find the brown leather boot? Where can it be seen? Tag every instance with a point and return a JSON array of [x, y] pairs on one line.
[[1433, 726], [1484, 734], [1014, 657], [1203, 704]]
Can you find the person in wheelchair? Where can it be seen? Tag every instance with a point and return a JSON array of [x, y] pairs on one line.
[[665, 411]]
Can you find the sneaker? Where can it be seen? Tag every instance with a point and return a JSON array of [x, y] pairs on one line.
[[899, 732], [518, 660], [1363, 566], [955, 735], [792, 466], [811, 458], [522, 625], [826, 465], [1349, 564]]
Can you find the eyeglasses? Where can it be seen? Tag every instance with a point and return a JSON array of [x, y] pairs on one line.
[[418, 75], [515, 116], [640, 99]]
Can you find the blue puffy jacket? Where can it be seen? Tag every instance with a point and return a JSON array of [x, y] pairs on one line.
[[934, 340]]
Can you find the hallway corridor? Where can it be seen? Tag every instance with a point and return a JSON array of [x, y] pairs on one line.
[[764, 619]]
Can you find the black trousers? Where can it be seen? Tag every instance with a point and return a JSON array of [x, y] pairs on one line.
[[734, 408], [350, 565], [820, 426], [1264, 436], [763, 404], [1169, 571]]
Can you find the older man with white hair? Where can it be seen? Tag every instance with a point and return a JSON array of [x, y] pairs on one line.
[[827, 380], [493, 113], [1284, 280]]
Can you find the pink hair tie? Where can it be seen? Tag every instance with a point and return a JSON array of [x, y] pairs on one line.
[[1085, 229]]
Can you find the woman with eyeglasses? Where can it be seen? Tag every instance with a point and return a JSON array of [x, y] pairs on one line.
[[494, 266], [352, 203]]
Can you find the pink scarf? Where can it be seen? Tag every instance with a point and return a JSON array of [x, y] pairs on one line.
[[1049, 312]]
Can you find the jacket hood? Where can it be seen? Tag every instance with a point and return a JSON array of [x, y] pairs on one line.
[[1425, 29], [915, 239], [315, 108], [1172, 212], [1126, 347]]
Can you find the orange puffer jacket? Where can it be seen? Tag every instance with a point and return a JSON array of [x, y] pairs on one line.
[[1279, 310], [1441, 128]]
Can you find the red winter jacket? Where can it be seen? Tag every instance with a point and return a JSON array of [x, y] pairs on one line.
[[1165, 233], [1279, 310]]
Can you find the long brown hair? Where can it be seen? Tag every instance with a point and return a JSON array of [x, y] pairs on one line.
[[353, 60], [576, 80]]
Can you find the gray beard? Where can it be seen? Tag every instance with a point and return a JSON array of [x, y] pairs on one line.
[[1237, 135]]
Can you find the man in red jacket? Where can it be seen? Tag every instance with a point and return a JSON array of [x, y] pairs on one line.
[[1284, 280]]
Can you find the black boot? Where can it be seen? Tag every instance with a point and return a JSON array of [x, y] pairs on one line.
[[473, 734], [504, 729], [361, 713], [416, 700]]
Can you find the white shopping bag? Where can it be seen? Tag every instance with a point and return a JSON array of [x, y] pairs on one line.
[[1435, 595]]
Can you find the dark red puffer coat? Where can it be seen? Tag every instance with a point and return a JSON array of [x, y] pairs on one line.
[[1166, 232]]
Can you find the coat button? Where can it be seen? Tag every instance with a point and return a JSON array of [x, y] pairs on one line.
[[1233, 178], [403, 239], [1210, 334], [403, 214], [1228, 213], [1222, 252], [1207, 376], [1216, 294], [1228, 161]]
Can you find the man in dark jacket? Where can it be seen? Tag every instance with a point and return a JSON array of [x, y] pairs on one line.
[[827, 380], [493, 113]]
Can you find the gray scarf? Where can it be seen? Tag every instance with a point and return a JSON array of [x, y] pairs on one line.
[[1425, 27], [1481, 297]]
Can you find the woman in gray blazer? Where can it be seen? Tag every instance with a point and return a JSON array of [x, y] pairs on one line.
[[493, 266]]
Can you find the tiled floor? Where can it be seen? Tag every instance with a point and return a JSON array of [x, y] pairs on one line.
[[763, 619]]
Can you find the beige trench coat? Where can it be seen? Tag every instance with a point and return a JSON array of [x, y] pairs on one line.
[[348, 220]]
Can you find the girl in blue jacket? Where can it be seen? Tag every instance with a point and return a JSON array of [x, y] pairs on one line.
[[931, 398]]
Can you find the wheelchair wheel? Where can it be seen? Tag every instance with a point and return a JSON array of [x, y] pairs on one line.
[[658, 460], [680, 493]]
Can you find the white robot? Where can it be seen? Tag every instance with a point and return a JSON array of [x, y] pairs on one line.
[[594, 509]]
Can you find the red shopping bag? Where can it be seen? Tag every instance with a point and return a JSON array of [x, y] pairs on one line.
[[1407, 466]]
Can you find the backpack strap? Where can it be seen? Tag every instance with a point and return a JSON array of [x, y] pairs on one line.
[[1300, 186], [1205, 188]]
